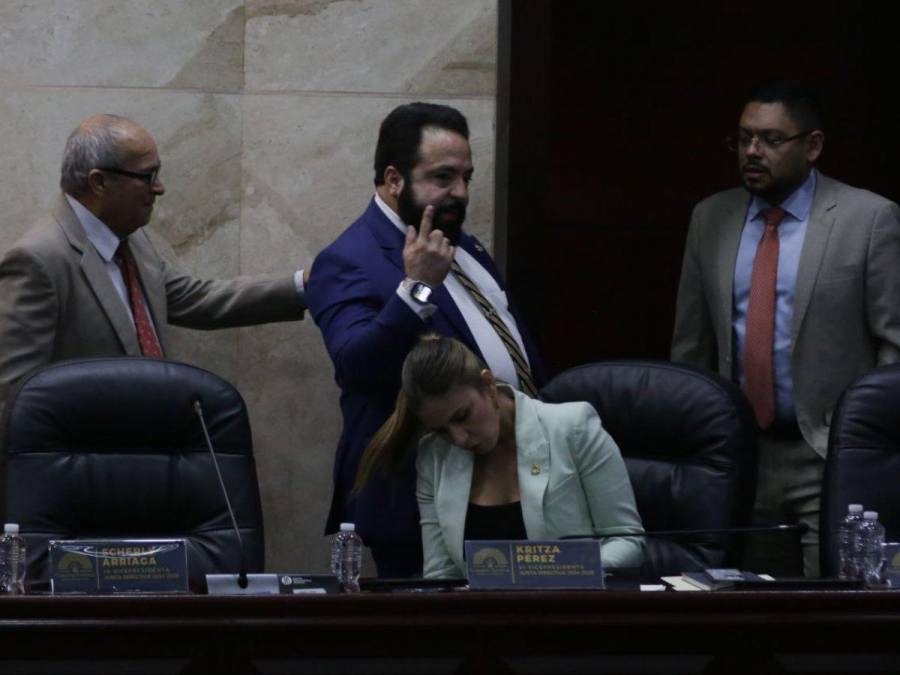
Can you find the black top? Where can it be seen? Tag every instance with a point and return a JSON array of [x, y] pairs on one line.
[[503, 521]]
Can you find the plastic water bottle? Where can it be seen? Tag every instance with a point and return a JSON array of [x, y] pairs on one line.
[[871, 544], [12, 561], [847, 542], [346, 557]]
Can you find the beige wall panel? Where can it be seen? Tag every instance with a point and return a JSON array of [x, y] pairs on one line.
[[123, 43], [258, 178], [421, 47]]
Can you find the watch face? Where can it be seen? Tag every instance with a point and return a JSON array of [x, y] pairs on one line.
[[420, 292]]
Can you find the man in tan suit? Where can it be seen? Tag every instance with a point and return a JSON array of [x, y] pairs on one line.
[[791, 287], [86, 281]]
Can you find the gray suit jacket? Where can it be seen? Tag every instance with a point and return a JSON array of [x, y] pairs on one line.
[[846, 302], [57, 301]]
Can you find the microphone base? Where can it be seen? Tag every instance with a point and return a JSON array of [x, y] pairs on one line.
[[227, 584]]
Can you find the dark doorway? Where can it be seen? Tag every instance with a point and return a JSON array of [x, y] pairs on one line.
[[611, 122]]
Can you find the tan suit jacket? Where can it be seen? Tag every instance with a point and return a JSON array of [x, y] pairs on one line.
[[57, 301], [846, 301]]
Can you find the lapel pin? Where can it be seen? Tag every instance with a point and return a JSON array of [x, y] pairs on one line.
[[535, 470]]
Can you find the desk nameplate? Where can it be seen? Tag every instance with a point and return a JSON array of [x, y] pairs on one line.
[[118, 566], [534, 564]]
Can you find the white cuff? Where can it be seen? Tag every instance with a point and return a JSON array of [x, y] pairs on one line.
[[301, 288]]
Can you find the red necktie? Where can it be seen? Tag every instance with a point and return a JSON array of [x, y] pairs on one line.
[[760, 329], [146, 336]]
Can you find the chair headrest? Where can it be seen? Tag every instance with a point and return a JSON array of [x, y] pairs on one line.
[[868, 414], [122, 405], [654, 408]]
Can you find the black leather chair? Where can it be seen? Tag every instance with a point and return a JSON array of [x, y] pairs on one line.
[[114, 448], [689, 442], [863, 464]]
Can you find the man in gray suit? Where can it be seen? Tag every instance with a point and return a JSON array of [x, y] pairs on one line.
[[86, 281], [791, 287]]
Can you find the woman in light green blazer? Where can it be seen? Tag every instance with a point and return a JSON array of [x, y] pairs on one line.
[[496, 464]]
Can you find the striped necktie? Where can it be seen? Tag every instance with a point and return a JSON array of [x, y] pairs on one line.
[[526, 383]]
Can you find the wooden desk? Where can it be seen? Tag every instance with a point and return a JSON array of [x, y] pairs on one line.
[[524, 632]]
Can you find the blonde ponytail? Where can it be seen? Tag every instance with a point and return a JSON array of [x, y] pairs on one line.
[[389, 444]]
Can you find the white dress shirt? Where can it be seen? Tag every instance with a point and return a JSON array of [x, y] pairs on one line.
[[489, 343]]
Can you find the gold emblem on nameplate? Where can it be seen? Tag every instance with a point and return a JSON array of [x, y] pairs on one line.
[[535, 470]]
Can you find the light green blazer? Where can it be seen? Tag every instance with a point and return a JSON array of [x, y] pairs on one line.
[[572, 481]]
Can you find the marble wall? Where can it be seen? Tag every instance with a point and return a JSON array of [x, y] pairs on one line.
[[266, 114]]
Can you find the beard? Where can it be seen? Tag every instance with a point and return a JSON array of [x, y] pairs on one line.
[[772, 185], [448, 216], [760, 187]]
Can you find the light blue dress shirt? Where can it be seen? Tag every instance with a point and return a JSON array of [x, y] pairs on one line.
[[791, 233]]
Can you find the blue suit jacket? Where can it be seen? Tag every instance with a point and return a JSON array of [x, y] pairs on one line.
[[368, 331]]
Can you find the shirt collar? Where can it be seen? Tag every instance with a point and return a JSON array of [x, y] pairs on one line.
[[103, 239], [798, 205], [390, 213]]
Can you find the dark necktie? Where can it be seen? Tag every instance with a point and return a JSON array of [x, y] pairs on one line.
[[147, 340], [526, 383], [760, 329]]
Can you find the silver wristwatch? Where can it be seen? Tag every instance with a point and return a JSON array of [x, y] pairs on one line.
[[418, 290]]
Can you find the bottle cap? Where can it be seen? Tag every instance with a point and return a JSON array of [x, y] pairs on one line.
[[11, 528], [855, 508], [871, 515], [348, 527]]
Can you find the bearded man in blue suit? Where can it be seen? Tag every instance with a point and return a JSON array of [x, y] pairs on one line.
[[405, 268]]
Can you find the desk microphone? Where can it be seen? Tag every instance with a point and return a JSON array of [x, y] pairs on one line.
[[242, 573]]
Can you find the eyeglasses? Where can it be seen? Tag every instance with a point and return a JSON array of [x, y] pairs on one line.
[[767, 140], [149, 178]]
